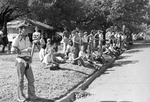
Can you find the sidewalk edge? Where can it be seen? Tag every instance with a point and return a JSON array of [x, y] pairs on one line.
[[71, 96]]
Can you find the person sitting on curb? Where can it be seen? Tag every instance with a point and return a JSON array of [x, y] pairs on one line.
[[98, 57], [42, 41], [69, 47], [42, 52], [107, 51], [70, 52], [48, 45], [113, 51], [53, 58], [81, 57]]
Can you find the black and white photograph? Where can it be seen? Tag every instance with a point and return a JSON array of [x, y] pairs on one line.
[[74, 50]]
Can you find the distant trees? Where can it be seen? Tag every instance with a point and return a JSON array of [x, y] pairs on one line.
[[85, 14]]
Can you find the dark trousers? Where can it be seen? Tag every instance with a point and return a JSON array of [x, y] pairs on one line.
[[85, 46]]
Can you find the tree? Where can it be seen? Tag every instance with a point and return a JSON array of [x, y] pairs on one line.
[[107, 13], [56, 12], [10, 10], [131, 13]]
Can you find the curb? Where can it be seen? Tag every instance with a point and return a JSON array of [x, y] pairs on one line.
[[95, 75], [71, 96]]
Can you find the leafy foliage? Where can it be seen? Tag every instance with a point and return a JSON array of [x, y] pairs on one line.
[[85, 14]]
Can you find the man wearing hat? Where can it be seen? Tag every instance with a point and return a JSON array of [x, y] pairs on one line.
[[22, 46]]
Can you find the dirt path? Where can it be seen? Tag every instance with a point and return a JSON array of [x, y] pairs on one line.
[[127, 80]]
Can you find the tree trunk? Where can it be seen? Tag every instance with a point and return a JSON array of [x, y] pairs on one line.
[[104, 37], [5, 39]]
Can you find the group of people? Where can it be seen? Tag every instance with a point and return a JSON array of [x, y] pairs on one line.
[[78, 47]]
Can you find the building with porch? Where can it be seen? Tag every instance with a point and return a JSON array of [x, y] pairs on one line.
[[12, 28]]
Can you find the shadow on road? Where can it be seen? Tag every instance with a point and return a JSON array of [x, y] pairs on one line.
[[122, 57], [141, 44], [121, 63], [73, 70], [133, 51]]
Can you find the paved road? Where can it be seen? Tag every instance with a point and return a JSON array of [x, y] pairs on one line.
[[128, 80]]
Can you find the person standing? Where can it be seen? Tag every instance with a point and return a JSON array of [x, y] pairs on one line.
[[76, 44], [100, 47], [80, 34], [91, 43], [65, 39], [96, 39], [36, 40], [85, 41], [22, 46]]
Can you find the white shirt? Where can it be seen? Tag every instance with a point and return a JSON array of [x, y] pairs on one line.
[[10, 37], [82, 54], [1, 34], [42, 54], [69, 48], [85, 39], [21, 44], [42, 41]]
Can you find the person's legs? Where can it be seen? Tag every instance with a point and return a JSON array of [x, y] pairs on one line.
[[103, 60], [81, 62], [64, 47], [9, 46], [31, 88], [90, 48], [57, 58], [85, 47], [20, 73], [96, 43], [65, 43], [47, 59]]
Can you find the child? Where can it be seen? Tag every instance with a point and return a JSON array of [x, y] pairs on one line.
[[52, 57], [81, 57], [42, 41], [69, 48], [48, 45], [42, 52]]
